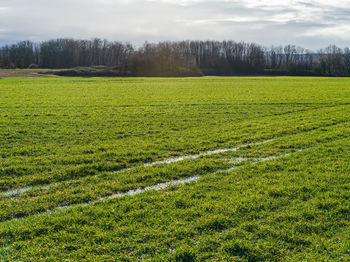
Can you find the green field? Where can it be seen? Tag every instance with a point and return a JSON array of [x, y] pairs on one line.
[[71, 149]]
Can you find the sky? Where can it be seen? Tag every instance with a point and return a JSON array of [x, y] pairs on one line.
[[312, 24]]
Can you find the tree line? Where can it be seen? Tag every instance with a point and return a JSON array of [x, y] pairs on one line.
[[181, 58]]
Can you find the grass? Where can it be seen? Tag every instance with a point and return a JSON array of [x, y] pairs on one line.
[[75, 140]]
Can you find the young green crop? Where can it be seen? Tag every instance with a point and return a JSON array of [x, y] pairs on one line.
[[70, 141]]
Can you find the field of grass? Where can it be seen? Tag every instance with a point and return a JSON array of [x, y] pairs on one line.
[[235, 169]]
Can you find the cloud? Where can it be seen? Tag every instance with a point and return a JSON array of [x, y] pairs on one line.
[[4, 9], [312, 24]]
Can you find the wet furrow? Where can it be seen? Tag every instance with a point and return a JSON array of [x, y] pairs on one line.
[[156, 187]]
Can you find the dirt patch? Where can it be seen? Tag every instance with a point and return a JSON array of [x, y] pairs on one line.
[[25, 73]]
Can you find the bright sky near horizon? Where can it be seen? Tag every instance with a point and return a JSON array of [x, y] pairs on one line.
[[312, 24]]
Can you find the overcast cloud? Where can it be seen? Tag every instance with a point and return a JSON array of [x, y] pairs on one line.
[[312, 24]]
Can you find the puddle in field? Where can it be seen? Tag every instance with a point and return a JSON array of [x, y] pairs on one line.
[[20, 191], [262, 159], [156, 187], [164, 185], [133, 192], [181, 158], [207, 153], [239, 160]]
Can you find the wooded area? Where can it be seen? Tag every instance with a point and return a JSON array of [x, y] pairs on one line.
[[182, 58]]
